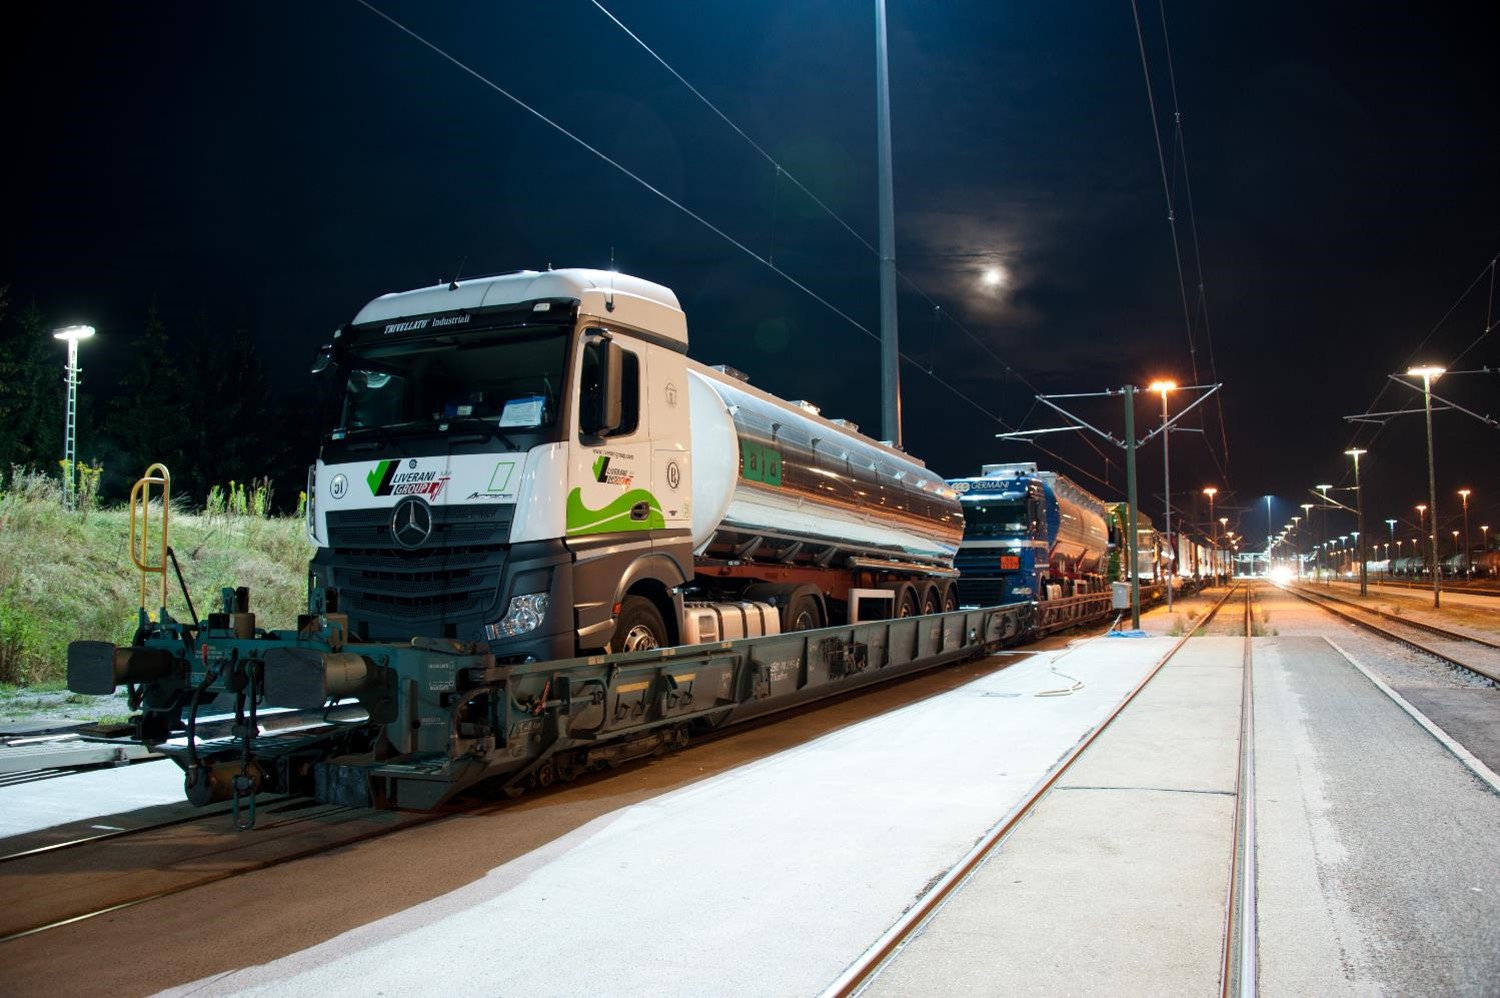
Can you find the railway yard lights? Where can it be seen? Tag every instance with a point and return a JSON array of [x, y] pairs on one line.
[[1166, 477], [1359, 501], [1211, 492], [1392, 524], [1224, 559], [71, 335], [1464, 494], [1129, 445], [1429, 374]]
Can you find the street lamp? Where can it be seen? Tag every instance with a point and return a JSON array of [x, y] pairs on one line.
[[1392, 524], [1464, 494], [1421, 529], [1210, 491], [1166, 477], [1359, 496], [1224, 555], [1429, 374], [71, 335]]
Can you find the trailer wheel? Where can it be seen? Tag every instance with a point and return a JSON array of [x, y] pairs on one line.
[[932, 600], [907, 603], [639, 626], [950, 597]]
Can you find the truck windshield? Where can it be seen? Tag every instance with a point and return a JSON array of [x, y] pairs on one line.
[[996, 518], [510, 378]]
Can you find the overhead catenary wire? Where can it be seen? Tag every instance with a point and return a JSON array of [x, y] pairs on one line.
[[1357, 437], [1161, 160], [1180, 144], [782, 171], [784, 275]]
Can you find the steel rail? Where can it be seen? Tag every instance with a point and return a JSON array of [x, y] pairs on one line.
[[1420, 625], [1398, 638], [1420, 589], [864, 969], [139, 829], [214, 878], [1239, 972]]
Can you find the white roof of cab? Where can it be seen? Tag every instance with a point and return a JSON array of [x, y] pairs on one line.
[[635, 301]]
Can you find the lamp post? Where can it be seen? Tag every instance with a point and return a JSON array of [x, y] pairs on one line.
[[1359, 496], [1421, 528], [1166, 478], [1224, 554], [1297, 547], [1464, 494], [1324, 532], [71, 335], [1429, 374], [1210, 491], [1392, 524]]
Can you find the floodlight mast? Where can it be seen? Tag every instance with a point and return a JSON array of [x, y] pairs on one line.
[[71, 335]]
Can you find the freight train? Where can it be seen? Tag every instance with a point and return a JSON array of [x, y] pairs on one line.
[[1036, 535], [547, 542]]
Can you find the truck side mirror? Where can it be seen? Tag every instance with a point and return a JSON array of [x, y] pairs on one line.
[[602, 407], [323, 359]]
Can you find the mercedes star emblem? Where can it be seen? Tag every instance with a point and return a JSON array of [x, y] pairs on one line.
[[412, 523]]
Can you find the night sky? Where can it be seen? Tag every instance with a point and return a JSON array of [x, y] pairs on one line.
[[280, 164]]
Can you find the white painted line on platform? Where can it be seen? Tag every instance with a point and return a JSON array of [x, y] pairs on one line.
[[1460, 753]]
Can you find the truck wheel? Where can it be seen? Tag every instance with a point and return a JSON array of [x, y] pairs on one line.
[[931, 599], [803, 613], [639, 626], [907, 603]]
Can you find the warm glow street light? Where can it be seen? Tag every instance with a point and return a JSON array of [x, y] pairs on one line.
[[1464, 494], [71, 335], [1166, 477], [1359, 501], [1210, 491], [1430, 373]]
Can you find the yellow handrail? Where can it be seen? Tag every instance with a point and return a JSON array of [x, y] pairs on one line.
[[138, 545]]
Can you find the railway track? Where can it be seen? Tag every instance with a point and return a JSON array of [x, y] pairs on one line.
[[1239, 936], [1426, 587], [1337, 606]]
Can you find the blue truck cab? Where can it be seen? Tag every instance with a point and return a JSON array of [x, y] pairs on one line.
[[1029, 535]]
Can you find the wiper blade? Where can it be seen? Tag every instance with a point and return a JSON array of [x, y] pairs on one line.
[[483, 425]]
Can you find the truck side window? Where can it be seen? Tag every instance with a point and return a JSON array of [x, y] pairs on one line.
[[630, 388]]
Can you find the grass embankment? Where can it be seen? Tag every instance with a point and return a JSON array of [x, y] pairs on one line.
[[68, 576]]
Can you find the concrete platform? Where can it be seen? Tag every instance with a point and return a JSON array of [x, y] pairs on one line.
[[1117, 884], [27, 807], [1375, 848], [768, 880]]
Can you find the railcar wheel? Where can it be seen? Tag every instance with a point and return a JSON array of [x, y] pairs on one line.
[[639, 626]]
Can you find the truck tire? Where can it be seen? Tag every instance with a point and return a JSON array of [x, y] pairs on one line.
[[932, 598], [908, 602], [803, 613], [639, 626], [950, 596]]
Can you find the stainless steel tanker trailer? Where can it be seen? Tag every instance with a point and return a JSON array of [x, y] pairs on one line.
[[549, 541]]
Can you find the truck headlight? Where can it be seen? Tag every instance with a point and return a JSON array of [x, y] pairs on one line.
[[523, 616], [312, 503]]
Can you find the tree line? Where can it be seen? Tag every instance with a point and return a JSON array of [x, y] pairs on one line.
[[199, 400]]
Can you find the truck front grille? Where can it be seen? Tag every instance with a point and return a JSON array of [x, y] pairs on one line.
[[449, 585]]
